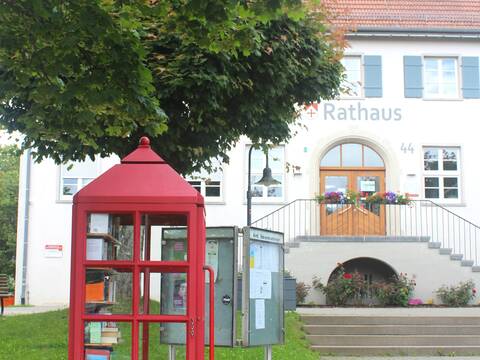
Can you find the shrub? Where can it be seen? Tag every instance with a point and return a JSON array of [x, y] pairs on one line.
[[459, 295], [395, 292], [342, 287], [301, 291]]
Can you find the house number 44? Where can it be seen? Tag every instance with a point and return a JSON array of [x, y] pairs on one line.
[[407, 148]]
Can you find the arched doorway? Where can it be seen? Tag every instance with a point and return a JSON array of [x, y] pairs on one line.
[[359, 168], [371, 270]]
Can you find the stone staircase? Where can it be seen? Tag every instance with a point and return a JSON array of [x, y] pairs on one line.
[[350, 335]]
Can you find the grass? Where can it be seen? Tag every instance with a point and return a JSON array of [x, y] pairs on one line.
[[45, 336]]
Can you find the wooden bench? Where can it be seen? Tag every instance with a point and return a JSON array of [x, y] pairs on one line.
[[3, 289]]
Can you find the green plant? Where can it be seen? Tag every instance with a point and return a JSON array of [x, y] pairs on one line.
[[459, 295], [301, 291], [11, 284], [395, 292], [342, 287]]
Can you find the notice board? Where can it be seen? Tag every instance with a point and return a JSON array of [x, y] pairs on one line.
[[262, 303]]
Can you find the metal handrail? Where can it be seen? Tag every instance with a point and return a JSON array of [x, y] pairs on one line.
[[302, 219]]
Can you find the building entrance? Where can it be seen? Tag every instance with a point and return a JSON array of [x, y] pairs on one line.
[[357, 168]]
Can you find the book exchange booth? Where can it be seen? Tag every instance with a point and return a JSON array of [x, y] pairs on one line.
[[130, 288]]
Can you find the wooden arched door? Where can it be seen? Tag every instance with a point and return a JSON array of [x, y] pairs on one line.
[[358, 168]]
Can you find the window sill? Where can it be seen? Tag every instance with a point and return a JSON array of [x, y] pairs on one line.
[[443, 204], [442, 99], [214, 202], [271, 202], [64, 201]]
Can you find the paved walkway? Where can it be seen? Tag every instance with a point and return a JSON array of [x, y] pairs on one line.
[[400, 358], [23, 310], [420, 311]]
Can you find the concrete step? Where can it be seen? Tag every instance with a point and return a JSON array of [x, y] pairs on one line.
[[476, 268], [434, 245], [293, 244], [390, 320], [393, 340], [445, 251], [456, 257], [467, 263], [391, 329], [399, 350]]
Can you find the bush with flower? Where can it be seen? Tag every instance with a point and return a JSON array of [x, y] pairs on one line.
[[395, 292], [388, 198], [342, 287], [457, 295], [352, 197]]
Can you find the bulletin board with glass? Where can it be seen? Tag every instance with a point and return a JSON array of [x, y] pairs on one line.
[[262, 303]]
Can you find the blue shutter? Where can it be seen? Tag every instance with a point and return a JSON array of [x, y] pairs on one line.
[[412, 76], [470, 77], [373, 76]]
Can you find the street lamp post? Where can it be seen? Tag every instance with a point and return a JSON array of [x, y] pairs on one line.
[[266, 180]]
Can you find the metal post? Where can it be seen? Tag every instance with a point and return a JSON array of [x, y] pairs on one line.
[[249, 185], [172, 353], [268, 352]]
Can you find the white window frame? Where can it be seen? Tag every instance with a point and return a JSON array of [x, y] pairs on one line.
[[81, 181], [203, 178], [361, 95], [427, 96], [265, 199], [441, 174]]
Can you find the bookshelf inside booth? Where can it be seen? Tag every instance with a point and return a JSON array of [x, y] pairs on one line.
[[108, 289]]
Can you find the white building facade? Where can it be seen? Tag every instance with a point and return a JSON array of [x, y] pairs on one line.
[[409, 124]]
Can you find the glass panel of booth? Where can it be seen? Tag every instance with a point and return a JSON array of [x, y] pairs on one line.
[[108, 340], [109, 236], [151, 237]]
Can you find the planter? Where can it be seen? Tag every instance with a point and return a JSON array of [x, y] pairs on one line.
[[9, 301]]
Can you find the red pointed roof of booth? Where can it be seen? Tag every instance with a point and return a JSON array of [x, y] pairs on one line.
[[143, 154], [142, 177]]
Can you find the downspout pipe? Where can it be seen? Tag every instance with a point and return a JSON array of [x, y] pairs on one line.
[[25, 227]]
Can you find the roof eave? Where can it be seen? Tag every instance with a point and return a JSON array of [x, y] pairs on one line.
[[402, 32]]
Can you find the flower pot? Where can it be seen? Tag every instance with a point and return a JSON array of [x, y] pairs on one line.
[[9, 301]]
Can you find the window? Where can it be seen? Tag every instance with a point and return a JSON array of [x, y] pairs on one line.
[[276, 162], [441, 77], [442, 173], [352, 155], [75, 175], [352, 84], [209, 184]]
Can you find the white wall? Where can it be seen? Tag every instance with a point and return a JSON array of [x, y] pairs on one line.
[[442, 123], [426, 266]]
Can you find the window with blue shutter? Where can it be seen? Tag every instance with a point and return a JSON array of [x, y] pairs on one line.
[[373, 75], [470, 77], [413, 84]]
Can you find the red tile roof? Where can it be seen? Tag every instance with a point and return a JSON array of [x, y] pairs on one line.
[[406, 14]]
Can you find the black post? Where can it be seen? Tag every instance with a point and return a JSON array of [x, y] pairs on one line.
[[249, 184]]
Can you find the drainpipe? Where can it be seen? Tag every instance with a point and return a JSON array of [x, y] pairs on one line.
[[25, 228]]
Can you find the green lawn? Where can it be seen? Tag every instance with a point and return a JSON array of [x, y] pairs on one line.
[[45, 336]]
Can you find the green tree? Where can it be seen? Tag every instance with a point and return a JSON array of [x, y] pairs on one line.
[[87, 77], [9, 165]]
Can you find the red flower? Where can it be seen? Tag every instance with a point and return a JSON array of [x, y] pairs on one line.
[[347, 276]]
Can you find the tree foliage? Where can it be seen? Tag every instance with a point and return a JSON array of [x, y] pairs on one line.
[[9, 165], [87, 77]]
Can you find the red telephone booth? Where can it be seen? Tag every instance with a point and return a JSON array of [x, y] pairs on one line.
[[127, 287]]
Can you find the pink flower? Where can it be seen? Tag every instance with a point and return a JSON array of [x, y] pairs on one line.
[[347, 276]]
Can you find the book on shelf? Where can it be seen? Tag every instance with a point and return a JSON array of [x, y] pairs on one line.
[[97, 354], [101, 248], [99, 223], [95, 332]]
